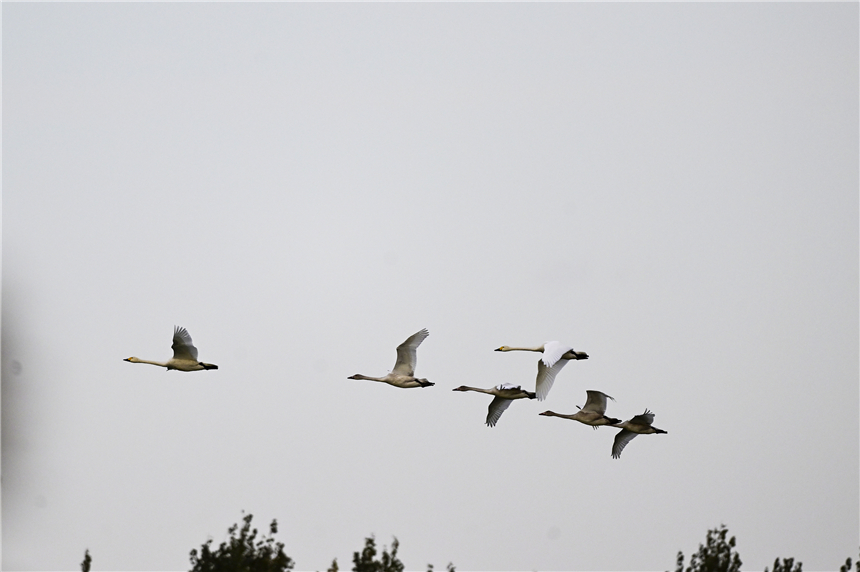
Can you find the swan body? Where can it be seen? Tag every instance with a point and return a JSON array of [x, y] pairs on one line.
[[592, 413], [403, 374], [503, 395], [184, 354], [555, 357], [639, 425]]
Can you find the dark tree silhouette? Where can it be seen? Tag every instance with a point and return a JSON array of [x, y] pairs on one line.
[[449, 568], [716, 555], [242, 552], [847, 566], [366, 561], [786, 566], [85, 565]]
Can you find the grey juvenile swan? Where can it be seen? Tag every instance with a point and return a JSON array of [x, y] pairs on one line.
[[184, 354], [639, 425], [403, 374], [503, 395], [592, 413]]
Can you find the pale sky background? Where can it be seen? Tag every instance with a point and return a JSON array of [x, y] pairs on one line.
[[672, 188]]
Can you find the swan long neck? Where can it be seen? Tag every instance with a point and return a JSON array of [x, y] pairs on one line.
[[517, 349], [561, 415], [138, 360], [478, 389], [367, 377]]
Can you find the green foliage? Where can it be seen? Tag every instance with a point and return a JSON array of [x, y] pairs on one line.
[[334, 566], [786, 566], [449, 568], [242, 552], [716, 555], [366, 561], [85, 565]]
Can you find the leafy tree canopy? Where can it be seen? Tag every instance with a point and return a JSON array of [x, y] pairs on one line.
[[786, 566], [716, 555], [365, 561], [449, 568], [847, 566], [85, 565], [242, 552]]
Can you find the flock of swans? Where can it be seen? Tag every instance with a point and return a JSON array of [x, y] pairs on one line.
[[554, 357]]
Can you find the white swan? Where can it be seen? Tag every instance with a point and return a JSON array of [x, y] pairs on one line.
[[555, 357], [639, 425], [552, 352], [184, 354], [403, 374], [504, 394], [592, 413]]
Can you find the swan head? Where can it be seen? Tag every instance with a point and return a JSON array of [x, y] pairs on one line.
[[461, 388], [356, 376], [548, 413], [503, 349], [132, 359]]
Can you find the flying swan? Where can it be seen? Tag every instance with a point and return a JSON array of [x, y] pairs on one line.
[[403, 374], [184, 354], [504, 394], [592, 413], [639, 425], [555, 357]]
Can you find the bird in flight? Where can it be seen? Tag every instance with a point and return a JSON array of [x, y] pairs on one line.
[[403, 374], [592, 413], [639, 425], [555, 357], [184, 354], [503, 394]]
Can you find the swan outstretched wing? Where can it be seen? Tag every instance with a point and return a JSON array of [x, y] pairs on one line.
[[596, 401], [552, 352], [406, 354], [621, 439], [182, 346], [546, 377], [497, 407], [646, 418]]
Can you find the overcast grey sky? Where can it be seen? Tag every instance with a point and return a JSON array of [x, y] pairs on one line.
[[672, 188]]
